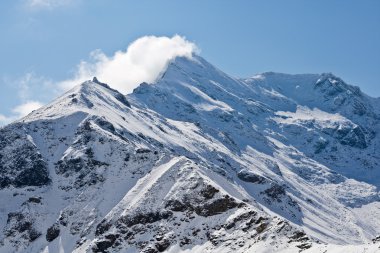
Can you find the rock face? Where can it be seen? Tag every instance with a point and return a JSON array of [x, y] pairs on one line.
[[21, 224], [52, 232], [20, 162], [196, 162]]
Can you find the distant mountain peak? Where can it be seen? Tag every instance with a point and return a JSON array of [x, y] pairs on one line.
[[332, 85]]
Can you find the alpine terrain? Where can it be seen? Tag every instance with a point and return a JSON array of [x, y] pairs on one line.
[[197, 161]]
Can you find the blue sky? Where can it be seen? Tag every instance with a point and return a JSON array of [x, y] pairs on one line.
[[43, 41]]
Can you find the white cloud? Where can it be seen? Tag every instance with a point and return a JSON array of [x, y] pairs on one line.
[[20, 111], [143, 61], [25, 85], [47, 4], [34, 87], [26, 108], [3, 118]]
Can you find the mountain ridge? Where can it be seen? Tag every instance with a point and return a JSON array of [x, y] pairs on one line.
[[196, 161]]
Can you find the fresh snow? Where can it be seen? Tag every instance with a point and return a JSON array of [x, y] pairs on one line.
[[271, 163]]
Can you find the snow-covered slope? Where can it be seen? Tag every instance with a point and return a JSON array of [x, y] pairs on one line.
[[197, 162]]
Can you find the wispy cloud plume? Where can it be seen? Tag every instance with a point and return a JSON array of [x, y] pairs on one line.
[[3, 119], [20, 111], [143, 61], [31, 90], [26, 108]]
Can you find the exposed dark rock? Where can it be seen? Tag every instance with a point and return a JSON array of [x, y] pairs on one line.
[[76, 227], [212, 238], [214, 207], [145, 218], [251, 177], [304, 246], [52, 232], [87, 126], [353, 137], [102, 246], [298, 236], [176, 206], [102, 227], [141, 135], [89, 152], [275, 192], [162, 245], [359, 108], [208, 192], [149, 250], [332, 86], [86, 169], [95, 80], [36, 200], [143, 151], [20, 223], [127, 157], [35, 176], [69, 165], [260, 220], [122, 99], [106, 125], [33, 234], [218, 206], [21, 164], [87, 102], [260, 228], [108, 242], [5, 181], [243, 217], [63, 218], [376, 239], [184, 241], [320, 145]]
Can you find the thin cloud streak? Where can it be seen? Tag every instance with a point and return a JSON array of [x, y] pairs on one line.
[[47, 4]]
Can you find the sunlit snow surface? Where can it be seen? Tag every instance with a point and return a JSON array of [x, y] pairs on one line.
[[251, 163]]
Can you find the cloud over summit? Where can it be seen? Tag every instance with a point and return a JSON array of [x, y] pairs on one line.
[[143, 61]]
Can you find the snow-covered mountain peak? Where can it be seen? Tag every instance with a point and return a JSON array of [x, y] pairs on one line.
[[197, 161], [291, 84], [324, 91], [194, 70], [332, 85], [91, 97]]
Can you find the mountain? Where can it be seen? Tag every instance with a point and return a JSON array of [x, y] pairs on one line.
[[198, 161]]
